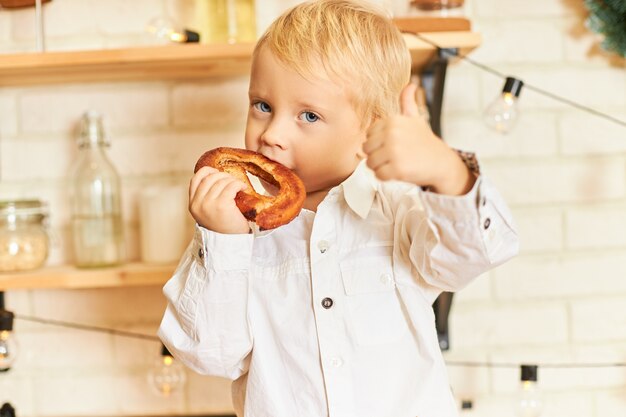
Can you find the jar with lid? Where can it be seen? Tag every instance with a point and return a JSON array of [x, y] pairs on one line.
[[97, 227], [430, 8], [23, 235]]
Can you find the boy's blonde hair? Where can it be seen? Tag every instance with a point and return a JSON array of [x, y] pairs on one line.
[[352, 41]]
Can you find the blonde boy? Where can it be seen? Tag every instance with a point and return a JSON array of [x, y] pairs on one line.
[[331, 314]]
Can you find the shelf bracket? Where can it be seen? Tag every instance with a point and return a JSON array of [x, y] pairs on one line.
[[433, 79]]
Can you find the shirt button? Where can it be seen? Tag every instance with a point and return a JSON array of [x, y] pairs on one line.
[[200, 253], [327, 303], [385, 278], [336, 362], [322, 245], [487, 223]]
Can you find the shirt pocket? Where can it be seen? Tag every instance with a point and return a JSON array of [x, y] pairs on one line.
[[373, 309]]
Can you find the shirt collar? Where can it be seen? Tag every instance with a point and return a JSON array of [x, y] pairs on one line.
[[359, 190]]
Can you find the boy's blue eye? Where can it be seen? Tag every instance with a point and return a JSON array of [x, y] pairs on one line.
[[309, 117], [262, 107]]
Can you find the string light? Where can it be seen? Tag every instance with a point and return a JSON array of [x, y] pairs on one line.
[[164, 29], [167, 376], [503, 111], [528, 86], [529, 401], [8, 343]]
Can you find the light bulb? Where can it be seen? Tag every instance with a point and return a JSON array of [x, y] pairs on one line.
[[8, 344], [502, 113], [529, 401], [167, 376], [164, 30]]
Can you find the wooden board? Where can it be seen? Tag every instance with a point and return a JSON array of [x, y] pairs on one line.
[[132, 274]]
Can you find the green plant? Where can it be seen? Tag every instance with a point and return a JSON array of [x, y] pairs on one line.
[[608, 17]]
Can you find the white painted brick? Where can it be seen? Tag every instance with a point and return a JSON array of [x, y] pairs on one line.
[[37, 349], [523, 8], [77, 43], [18, 391], [220, 103], [462, 91], [35, 159], [548, 181], [59, 109], [168, 152], [599, 319], [5, 28], [187, 156], [17, 301], [591, 135], [539, 229], [208, 393], [102, 306], [583, 45], [8, 114], [121, 16], [557, 277], [595, 227], [533, 135], [70, 394], [135, 396], [62, 18], [478, 290], [61, 251], [516, 40], [506, 325], [612, 403], [136, 353]]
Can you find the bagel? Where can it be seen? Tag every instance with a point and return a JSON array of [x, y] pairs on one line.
[[268, 212]]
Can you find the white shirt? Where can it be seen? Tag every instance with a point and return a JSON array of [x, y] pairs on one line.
[[331, 314]]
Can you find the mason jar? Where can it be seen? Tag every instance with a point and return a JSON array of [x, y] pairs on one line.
[[23, 235]]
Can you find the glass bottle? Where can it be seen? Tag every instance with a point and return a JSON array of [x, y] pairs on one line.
[[97, 226], [225, 21]]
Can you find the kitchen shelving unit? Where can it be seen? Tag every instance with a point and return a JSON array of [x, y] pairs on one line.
[[172, 62]]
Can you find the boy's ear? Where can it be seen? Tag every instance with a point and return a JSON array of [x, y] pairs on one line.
[[360, 154]]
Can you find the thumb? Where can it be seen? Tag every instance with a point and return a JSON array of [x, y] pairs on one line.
[[408, 104]]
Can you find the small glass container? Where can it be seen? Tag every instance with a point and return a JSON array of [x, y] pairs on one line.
[[23, 235], [437, 8]]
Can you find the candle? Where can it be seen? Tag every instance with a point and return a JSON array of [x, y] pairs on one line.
[[164, 223]]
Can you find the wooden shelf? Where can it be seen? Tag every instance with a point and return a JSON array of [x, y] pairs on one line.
[[193, 61], [128, 275]]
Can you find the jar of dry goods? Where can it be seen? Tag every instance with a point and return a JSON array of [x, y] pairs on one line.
[[23, 235]]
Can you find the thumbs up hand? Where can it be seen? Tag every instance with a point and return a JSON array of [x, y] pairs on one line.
[[403, 147]]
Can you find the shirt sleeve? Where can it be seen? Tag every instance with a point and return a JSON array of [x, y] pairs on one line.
[[205, 324], [460, 237]]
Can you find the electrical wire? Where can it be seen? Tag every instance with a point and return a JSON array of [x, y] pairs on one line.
[[531, 87], [477, 364], [87, 327], [541, 365]]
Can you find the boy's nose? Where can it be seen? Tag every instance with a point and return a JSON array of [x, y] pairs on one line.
[[274, 136]]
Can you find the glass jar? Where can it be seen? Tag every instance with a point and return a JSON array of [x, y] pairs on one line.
[[23, 236], [437, 8]]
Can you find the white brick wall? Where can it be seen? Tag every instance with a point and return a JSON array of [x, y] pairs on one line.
[[563, 299]]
